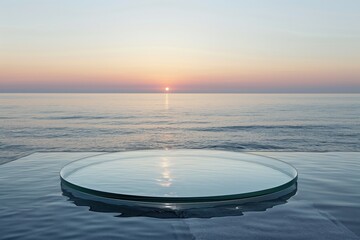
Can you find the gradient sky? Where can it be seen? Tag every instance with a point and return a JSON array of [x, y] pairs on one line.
[[190, 46]]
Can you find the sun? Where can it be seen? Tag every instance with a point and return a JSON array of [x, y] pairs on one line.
[[167, 89]]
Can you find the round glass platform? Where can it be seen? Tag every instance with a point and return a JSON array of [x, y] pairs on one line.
[[178, 177]]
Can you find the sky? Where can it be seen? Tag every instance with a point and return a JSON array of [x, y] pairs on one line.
[[248, 46]]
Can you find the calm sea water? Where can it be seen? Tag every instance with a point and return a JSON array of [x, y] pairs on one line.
[[288, 127], [235, 122]]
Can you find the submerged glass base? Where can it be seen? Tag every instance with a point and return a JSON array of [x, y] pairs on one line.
[[178, 178]]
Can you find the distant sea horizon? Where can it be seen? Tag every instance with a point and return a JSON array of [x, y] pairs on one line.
[[177, 92], [232, 122]]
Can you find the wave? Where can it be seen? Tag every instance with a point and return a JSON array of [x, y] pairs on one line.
[[82, 117], [258, 127]]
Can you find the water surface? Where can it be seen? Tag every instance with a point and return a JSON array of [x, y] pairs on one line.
[[326, 206], [235, 122]]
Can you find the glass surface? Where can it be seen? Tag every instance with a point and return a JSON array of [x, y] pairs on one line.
[[186, 174]]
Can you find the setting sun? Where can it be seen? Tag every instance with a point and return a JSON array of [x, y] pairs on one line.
[[167, 89]]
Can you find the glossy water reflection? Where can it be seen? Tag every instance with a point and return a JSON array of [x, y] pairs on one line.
[[325, 206], [225, 210]]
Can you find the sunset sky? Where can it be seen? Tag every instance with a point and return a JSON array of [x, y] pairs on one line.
[[189, 46]]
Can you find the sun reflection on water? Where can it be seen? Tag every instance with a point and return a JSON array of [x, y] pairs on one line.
[[166, 104]]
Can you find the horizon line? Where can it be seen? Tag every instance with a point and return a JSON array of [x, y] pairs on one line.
[[159, 92]]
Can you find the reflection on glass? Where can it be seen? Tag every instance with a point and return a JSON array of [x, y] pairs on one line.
[[179, 176], [166, 179]]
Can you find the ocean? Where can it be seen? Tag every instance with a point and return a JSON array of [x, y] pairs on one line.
[[233, 122], [319, 134]]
